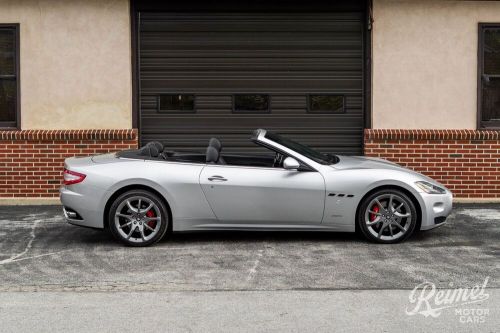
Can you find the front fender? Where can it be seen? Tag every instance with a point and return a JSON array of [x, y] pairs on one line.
[[395, 183], [346, 189]]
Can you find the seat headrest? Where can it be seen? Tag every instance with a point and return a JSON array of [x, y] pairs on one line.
[[153, 149], [149, 150], [212, 155], [214, 142], [158, 145]]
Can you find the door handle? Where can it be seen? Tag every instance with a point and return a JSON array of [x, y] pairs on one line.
[[217, 179]]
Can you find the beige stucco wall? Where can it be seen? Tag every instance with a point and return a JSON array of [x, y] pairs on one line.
[[75, 62], [425, 62]]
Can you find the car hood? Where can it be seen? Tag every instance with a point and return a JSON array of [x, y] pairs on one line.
[[361, 162]]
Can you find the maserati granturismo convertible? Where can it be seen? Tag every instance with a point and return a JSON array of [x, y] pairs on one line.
[[140, 195]]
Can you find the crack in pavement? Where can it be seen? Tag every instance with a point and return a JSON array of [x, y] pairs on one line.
[[19, 256], [252, 271], [10, 260], [26, 249]]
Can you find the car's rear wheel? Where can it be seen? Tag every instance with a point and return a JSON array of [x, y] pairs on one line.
[[387, 216], [138, 218]]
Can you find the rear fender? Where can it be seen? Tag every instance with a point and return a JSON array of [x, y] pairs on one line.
[[141, 182]]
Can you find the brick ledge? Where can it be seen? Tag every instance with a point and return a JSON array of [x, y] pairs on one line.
[[430, 134], [28, 201], [83, 134]]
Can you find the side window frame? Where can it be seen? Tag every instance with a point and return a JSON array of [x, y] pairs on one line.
[[303, 166], [16, 124], [484, 124]]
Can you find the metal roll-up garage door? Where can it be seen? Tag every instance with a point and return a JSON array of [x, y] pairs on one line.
[[304, 71]]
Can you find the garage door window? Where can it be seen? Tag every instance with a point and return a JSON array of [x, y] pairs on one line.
[[326, 104], [9, 76], [251, 103], [489, 80], [176, 103]]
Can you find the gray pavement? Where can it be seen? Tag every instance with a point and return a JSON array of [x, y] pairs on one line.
[[220, 281], [232, 311]]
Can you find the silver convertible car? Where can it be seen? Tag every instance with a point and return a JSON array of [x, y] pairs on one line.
[[140, 195]]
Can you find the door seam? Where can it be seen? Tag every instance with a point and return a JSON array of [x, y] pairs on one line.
[[205, 194]]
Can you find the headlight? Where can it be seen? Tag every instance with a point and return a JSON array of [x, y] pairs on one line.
[[430, 188]]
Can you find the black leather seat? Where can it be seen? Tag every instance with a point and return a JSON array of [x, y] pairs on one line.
[[158, 145], [212, 155], [215, 143]]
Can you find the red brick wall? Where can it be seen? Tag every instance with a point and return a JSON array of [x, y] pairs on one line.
[[466, 161], [31, 161]]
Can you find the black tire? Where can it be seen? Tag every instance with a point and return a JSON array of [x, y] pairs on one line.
[[159, 212], [386, 215]]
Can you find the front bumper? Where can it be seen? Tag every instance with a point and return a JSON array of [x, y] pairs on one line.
[[435, 209]]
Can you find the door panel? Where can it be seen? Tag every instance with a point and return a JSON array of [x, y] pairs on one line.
[[256, 195]]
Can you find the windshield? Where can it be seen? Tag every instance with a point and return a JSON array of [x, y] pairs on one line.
[[304, 150]]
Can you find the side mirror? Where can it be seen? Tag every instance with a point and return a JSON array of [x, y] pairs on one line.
[[291, 163]]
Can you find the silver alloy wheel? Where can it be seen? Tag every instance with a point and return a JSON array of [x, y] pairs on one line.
[[388, 217], [138, 219]]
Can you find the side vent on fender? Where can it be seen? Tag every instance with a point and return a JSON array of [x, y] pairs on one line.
[[341, 195]]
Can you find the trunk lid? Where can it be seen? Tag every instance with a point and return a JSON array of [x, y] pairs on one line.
[[76, 162], [104, 158]]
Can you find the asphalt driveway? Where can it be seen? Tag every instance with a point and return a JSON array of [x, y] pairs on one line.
[[39, 251], [42, 258]]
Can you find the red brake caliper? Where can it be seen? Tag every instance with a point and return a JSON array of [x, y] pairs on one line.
[[151, 213], [375, 209]]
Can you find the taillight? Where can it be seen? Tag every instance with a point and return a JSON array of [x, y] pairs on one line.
[[72, 177]]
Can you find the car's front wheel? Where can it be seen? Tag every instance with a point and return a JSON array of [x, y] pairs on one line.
[[387, 216], [138, 218]]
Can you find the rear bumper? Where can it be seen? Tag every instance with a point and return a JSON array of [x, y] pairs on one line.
[[435, 210], [82, 205]]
